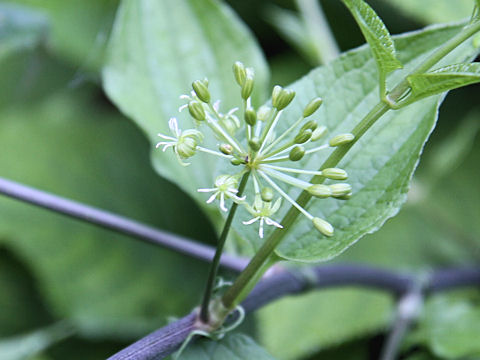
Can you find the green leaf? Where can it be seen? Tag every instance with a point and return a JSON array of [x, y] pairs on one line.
[[452, 326], [20, 28], [320, 320], [232, 347], [23, 347], [106, 283], [377, 36], [435, 11], [443, 79], [18, 295], [380, 165], [78, 30], [157, 49]]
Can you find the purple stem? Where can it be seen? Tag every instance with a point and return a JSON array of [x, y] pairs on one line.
[[117, 223]]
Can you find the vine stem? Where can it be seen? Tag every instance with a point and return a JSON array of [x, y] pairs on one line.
[[204, 310], [117, 223], [248, 277]]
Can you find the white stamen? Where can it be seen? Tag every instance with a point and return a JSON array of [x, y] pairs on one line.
[[211, 198], [260, 230], [251, 221], [207, 190], [222, 202], [274, 223]]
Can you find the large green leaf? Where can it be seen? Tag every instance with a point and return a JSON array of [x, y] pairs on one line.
[[437, 227], [20, 28], [377, 36], [106, 283], [380, 165], [157, 49], [451, 325], [232, 347], [79, 29], [320, 320]]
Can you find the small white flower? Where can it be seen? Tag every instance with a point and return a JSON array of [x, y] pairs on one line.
[[225, 188], [184, 143], [262, 211]]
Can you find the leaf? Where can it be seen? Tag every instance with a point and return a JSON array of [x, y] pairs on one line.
[[320, 320], [377, 36], [452, 326], [380, 165], [443, 79], [435, 11], [438, 226], [157, 49], [18, 295], [106, 283], [20, 28], [232, 347], [25, 346], [78, 30]]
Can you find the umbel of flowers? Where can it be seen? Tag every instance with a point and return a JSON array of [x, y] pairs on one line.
[[266, 157]]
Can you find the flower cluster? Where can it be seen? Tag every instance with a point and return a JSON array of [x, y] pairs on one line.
[[258, 150]]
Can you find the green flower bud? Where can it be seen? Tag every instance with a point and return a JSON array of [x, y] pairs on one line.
[[344, 197], [187, 143], [311, 124], [254, 144], [247, 86], [335, 174], [239, 72], [320, 191], [196, 110], [236, 162], [303, 136], [319, 132], [339, 190], [267, 194], [323, 226], [296, 153], [281, 97], [201, 89], [312, 107], [264, 113], [226, 149], [186, 147], [341, 139], [250, 116]]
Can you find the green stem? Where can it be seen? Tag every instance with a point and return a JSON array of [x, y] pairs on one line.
[[262, 255], [323, 41], [232, 295], [204, 313]]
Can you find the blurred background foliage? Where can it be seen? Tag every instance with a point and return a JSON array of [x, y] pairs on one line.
[[69, 290]]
